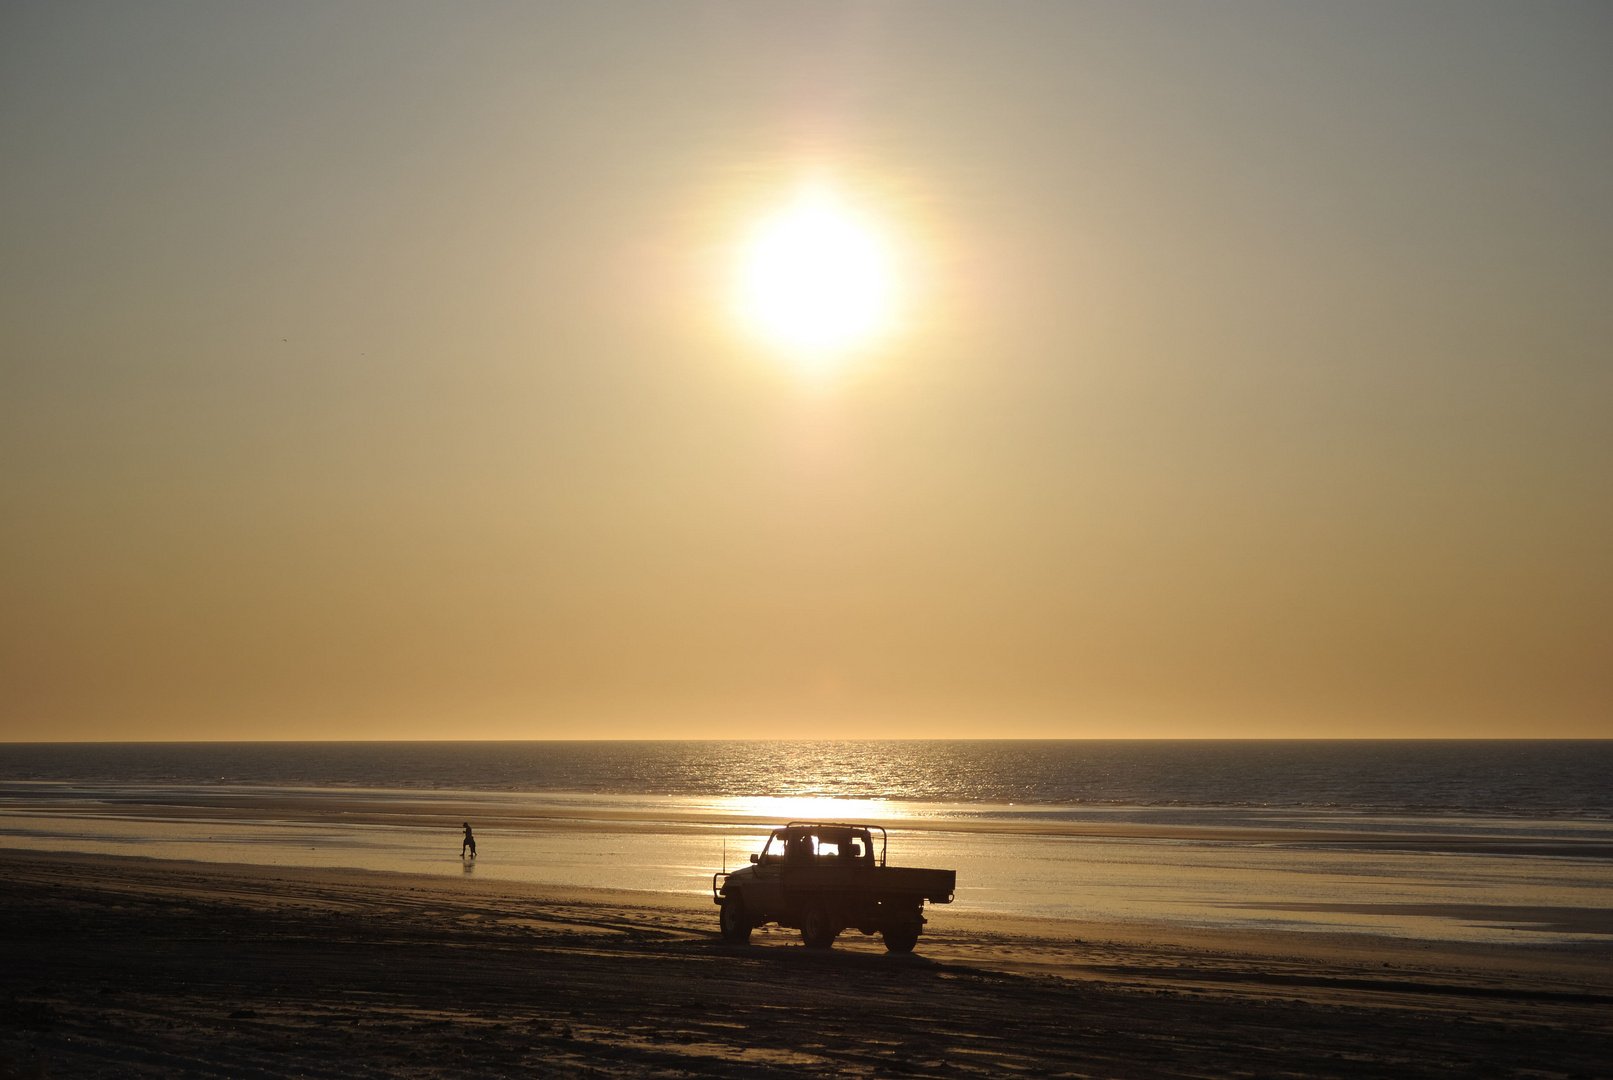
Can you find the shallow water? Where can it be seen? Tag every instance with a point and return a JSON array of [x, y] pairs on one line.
[[1275, 871]]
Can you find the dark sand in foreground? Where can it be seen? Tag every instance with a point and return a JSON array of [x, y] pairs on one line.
[[123, 967]]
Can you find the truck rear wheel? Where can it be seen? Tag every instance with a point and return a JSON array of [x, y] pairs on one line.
[[816, 929], [901, 938], [734, 921]]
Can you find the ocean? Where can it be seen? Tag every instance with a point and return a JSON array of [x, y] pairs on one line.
[[1472, 840], [1544, 778]]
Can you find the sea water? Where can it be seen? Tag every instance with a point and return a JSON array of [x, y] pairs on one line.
[[1546, 777], [1492, 841]]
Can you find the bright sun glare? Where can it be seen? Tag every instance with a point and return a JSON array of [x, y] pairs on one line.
[[816, 279]]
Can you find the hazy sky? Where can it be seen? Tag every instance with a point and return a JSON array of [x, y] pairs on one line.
[[369, 370]]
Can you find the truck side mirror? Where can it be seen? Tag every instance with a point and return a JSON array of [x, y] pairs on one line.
[[755, 858]]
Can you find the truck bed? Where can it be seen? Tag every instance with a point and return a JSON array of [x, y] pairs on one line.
[[936, 886]]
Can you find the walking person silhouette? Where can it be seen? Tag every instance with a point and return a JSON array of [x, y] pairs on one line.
[[469, 842]]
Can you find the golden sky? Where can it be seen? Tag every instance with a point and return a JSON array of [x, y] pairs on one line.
[[382, 370]]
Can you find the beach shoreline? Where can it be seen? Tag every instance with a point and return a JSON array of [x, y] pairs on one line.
[[584, 813], [1428, 878], [108, 955]]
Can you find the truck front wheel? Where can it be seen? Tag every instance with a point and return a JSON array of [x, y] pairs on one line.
[[734, 921]]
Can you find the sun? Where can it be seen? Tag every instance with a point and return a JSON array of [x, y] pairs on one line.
[[816, 279]]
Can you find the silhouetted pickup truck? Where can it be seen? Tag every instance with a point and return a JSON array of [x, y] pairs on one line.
[[822, 878]]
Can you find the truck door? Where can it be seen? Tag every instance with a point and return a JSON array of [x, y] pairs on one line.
[[803, 878], [765, 893]]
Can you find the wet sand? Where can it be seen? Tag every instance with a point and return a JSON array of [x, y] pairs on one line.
[[117, 967], [1454, 879]]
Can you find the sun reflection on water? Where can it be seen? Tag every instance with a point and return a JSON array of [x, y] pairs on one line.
[[779, 809]]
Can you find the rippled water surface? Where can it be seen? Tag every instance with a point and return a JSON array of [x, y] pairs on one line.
[[1494, 841], [1471, 777]]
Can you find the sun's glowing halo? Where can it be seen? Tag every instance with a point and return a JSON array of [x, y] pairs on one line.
[[816, 279]]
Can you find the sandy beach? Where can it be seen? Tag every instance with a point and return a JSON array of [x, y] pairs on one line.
[[116, 967]]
